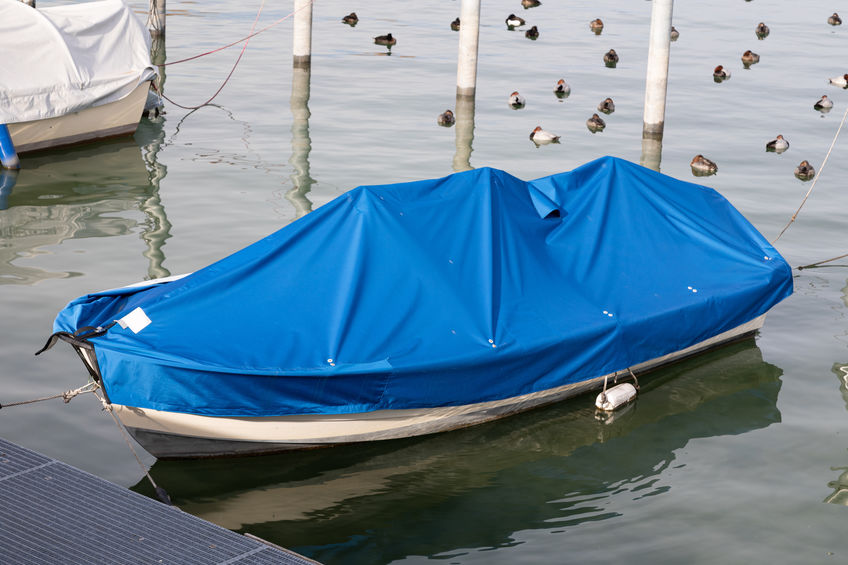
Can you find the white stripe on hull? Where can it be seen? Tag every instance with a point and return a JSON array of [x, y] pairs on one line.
[[173, 434]]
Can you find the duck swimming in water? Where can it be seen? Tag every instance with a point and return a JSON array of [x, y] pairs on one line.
[[607, 106], [778, 145], [351, 19], [701, 166], [562, 89], [841, 82], [720, 74], [455, 25], [530, 3], [597, 25], [446, 119], [532, 33], [805, 171], [595, 123], [762, 30], [834, 20], [386, 40], [824, 104], [516, 101], [611, 58], [540, 136], [674, 33], [750, 58], [513, 21]]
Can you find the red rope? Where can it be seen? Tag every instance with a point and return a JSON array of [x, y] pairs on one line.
[[241, 54]]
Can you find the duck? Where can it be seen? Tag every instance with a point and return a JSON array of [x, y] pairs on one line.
[[778, 145], [841, 82], [674, 33], [351, 19], [596, 25], [611, 57], [446, 119], [805, 171], [540, 136], [834, 20], [532, 33], [516, 101], [607, 106], [824, 103], [530, 3], [562, 89], [514, 21], [387, 40], [702, 166], [720, 73], [750, 58], [455, 24], [595, 123], [762, 30]]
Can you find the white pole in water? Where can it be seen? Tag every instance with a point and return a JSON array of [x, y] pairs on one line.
[[156, 18], [657, 77], [302, 42], [469, 35]]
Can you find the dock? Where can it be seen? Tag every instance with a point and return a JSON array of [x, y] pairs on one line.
[[51, 512]]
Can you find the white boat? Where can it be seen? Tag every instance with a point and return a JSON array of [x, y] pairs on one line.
[[402, 310], [80, 72], [169, 435]]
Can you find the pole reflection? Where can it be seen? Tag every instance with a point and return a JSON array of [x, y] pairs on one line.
[[301, 143], [464, 132]]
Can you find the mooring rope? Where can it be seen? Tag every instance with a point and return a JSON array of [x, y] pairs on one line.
[[816, 264], [815, 179], [65, 396], [246, 40], [160, 492]]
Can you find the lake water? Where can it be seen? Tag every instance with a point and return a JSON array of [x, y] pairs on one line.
[[738, 456]]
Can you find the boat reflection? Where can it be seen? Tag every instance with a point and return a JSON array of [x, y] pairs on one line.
[[81, 193], [552, 467]]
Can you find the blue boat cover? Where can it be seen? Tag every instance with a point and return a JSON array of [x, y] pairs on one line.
[[474, 287]]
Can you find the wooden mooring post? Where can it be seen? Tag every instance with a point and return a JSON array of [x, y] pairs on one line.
[[469, 36], [656, 84], [156, 18], [302, 36]]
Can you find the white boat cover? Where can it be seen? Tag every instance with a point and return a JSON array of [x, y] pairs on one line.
[[62, 59]]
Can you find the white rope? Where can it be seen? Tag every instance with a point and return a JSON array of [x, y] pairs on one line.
[[818, 173], [160, 492], [65, 396]]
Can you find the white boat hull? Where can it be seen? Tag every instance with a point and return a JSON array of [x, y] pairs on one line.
[[179, 435], [114, 119]]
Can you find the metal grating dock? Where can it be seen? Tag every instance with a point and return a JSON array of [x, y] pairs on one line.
[[53, 513]]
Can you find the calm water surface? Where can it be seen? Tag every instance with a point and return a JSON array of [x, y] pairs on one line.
[[738, 456]]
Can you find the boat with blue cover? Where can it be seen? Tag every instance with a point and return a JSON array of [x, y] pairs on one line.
[[420, 307]]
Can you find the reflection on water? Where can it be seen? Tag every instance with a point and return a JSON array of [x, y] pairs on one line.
[[545, 470], [81, 193], [301, 144], [464, 133], [840, 485]]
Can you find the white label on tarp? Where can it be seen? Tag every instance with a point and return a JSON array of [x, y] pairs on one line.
[[136, 320]]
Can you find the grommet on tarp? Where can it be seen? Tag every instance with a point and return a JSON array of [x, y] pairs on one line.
[[8, 155]]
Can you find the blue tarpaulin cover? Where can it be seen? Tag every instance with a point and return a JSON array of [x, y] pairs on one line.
[[474, 287]]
